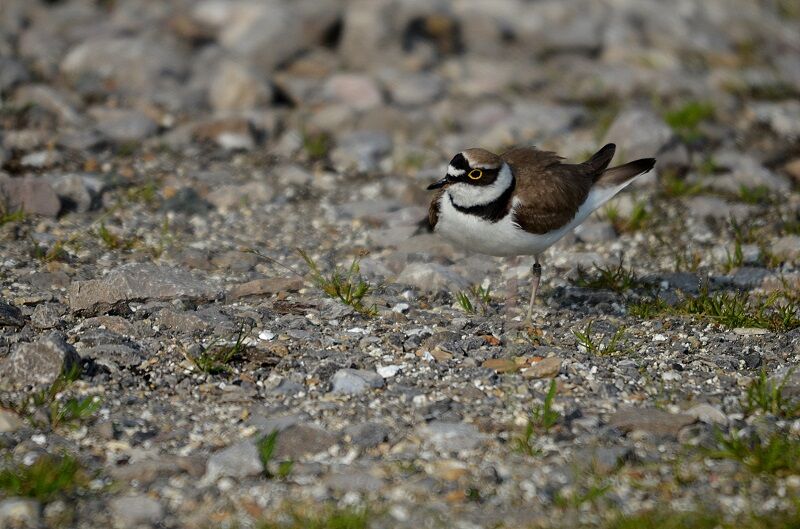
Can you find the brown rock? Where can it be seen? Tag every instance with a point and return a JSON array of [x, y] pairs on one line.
[[501, 365], [266, 286], [300, 440], [545, 368], [30, 194], [653, 420]]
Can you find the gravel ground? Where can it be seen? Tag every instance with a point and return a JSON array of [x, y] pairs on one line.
[[169, 359]]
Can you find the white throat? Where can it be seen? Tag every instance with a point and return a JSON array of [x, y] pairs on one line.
[[467, 196]]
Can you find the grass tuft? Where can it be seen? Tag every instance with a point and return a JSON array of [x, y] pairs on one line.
[[214, 359], [766, 396], [597, 347], [266, 450], [685, 120], [48, 478], [777, 454], [482, 295], [616, 278], [540, 420], [776, 312], [346, 286]]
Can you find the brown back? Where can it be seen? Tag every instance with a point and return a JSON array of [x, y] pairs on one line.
[[549, 191]]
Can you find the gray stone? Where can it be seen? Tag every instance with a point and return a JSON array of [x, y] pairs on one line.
[[745, 172], [708, 414], [41, 159], [431, 277], [78, 192], [10, 316], [299, 440], [355, 381], [360, 150], [20, 513], [356, 91], [62, 106], [749, 276], [134, 510], [639, 133], [133, 64], [451, 436], [596, 231], [47, 315], [604, 460], [415, 88], [12, 73], [10, 422], [353, 481], [786, 247], [31, 194], [783, 117], [238, 460], [651, 420], [138, 282], [40, 362], [236, 87], [367, 434], [123, 125]]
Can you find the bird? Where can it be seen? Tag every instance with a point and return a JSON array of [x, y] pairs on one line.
[[523, 201]]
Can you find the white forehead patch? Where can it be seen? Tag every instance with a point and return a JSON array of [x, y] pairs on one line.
[[452, 171]]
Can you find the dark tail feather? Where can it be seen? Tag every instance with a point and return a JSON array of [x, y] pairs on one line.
[[600, 160], [622, 173]]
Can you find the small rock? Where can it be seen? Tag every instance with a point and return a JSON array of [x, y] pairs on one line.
[[39, 363], [232, 197], [639, 133], [229, 133], [134, 510], [186, 200], [451, 436], [138, 282], [266, 287], [501, 365], [10, 422], [431, 277], [357, 91], [78, 192], [47, 315], [708, 414], [355, 381], [10, 316], [123, 125], [546, 368], [236, 87], [353, 481], [415, 88], [299, 440], [596, 231], [652, 420], [30, 194], [20, 513], [786, 247], [367, 434], [238, 460], [360, 150]]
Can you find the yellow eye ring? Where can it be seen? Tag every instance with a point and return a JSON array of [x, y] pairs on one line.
[[475, 174]]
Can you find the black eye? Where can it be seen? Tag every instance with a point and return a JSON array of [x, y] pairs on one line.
[[475, 174]]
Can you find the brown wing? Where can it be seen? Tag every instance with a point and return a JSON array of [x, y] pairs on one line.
[[549, 191], [433, 210]]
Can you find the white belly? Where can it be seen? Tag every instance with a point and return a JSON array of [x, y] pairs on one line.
[[504, 238]]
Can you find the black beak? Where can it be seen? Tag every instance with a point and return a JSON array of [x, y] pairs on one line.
[[441, 183]]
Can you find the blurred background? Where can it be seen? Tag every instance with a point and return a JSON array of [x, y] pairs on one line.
[[199, 107]]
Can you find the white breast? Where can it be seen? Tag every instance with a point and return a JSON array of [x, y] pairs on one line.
[[504, 237]]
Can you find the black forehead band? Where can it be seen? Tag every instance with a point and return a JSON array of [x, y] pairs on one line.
[[459, 162]]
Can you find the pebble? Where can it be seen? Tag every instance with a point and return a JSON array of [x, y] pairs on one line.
[[451, 436], [10, 421], [238, 461], [135, 510], [355, 381], [137, 282], [39, 363], [651, 420], [20, 513], [546, 368], [33, 195]]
